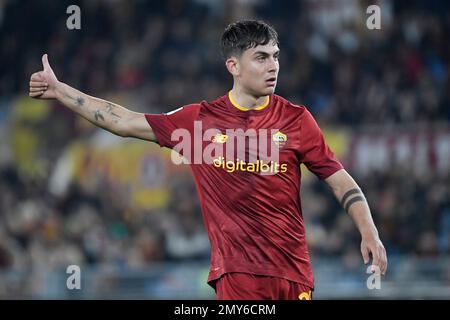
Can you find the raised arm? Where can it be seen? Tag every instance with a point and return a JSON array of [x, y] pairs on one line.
[[102, 113], [353, 201]]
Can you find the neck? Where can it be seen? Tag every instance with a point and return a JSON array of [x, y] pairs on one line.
[[245, 99]]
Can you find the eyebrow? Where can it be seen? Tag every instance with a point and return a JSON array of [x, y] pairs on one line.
[[265, 53]]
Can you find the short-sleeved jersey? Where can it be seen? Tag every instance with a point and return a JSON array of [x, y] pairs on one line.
[[251, 208]]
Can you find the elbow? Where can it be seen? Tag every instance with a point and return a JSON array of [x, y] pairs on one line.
[[120, 131], [121, 134]]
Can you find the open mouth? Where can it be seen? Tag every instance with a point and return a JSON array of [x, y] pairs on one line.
[[271, 81]]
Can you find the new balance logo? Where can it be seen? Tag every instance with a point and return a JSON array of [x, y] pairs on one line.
[[220, 138]]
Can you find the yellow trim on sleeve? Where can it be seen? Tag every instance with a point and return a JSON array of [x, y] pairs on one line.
[[234, 103]]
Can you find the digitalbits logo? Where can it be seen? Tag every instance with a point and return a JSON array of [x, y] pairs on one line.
[[248, 150]]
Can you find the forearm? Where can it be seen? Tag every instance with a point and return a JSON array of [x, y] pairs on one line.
[[359, 211], [354, 203], [102, 113]]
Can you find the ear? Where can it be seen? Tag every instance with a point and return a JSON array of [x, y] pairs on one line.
[[232, 64]]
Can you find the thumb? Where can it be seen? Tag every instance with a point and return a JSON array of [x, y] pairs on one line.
[[45, 63]]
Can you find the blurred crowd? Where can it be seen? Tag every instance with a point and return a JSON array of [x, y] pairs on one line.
[[95, 227], [166, 54], [412, 213]]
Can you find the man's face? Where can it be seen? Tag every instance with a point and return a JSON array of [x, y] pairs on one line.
[[257, 69]]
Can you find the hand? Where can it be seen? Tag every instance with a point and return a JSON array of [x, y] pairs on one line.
[[375, 247], [43, 84]]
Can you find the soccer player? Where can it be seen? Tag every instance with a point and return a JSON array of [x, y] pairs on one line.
[[251, 206]]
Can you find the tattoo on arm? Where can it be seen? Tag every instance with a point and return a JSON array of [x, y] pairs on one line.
[[352, 201], [109, 109], [348, 200], [98, 115], [348, 194], [79, 101]]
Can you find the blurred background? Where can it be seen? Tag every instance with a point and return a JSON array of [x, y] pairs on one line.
[[71, 193]]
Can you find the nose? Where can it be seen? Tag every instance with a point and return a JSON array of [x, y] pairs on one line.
[[273, 65]]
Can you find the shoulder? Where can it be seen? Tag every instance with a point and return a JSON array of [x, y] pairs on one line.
[[184, 115], [186, 109], [216, 106], [298, 109], [193, 106], [218, 102]]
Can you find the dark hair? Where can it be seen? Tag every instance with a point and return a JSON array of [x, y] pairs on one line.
[[245, 34]]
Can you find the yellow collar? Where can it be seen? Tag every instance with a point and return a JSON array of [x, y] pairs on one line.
[[234, 103]]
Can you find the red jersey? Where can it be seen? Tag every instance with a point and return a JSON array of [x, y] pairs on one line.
[[254, 221]]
